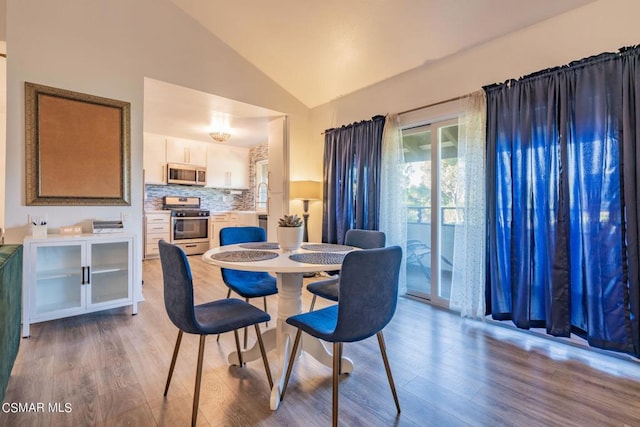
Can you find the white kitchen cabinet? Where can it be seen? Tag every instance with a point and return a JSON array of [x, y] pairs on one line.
[[218, 222], [278, 155], [278, 191], [228, 167], [186, 151], [248, 218], [230, 219], [156, 227], [155, 159], [71, 275]]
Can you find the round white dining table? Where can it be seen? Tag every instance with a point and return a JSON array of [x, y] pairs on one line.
[[289, 275]]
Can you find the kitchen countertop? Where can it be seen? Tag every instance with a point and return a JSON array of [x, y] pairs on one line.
[[155, 211], [225, 212]]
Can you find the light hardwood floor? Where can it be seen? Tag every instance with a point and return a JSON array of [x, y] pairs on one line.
[[111, 368]]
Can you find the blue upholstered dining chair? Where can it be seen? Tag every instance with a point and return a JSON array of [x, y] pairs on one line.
[[205, 319], [247, 284], [364, 239], [367, 301]]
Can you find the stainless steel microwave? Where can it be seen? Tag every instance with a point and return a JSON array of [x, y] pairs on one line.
[[184, 174]]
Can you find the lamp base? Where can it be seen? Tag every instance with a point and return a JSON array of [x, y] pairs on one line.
[[305, 217], [305, 236]]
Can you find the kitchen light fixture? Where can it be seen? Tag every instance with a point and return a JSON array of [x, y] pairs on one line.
[[220, 136]]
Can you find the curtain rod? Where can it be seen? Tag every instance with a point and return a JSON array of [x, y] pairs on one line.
[[385, 116], [457, 98]]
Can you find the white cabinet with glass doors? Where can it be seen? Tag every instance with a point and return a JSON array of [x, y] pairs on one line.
[[67, 276]]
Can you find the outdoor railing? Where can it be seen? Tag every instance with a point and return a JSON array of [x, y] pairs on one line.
[[450, 215]]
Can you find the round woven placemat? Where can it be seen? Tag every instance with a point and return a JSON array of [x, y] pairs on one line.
[[318, 258], [260, 245], [326, 247], [244, 256]]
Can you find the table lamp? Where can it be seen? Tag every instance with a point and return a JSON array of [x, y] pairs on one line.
[[305, 191]]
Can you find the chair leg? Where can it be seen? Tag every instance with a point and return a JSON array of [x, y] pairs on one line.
[[264, 356], [292, 358], [245, 329], [196, 392], [313, 302], [173, 361], [265, 309], [387, 367], [340, 358], [235, 334], [336, 369], [228, 295]]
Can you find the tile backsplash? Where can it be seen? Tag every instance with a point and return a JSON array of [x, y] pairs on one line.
[[213, 199]]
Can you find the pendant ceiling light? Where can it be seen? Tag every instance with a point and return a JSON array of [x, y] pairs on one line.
[[220, 136]]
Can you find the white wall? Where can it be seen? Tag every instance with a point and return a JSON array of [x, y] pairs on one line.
[[604, 25], [106, 48]]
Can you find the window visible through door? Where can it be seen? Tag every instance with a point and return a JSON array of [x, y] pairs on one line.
[[430, 180], [262, 185]]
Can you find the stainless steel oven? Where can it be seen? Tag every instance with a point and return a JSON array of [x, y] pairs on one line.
[[189, 224]]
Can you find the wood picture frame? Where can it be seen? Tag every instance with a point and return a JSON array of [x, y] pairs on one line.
[[77, 148]]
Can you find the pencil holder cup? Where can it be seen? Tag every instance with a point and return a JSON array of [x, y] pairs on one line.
[[39, 231]]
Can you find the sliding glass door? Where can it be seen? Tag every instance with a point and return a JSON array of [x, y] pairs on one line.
[[430, 180]]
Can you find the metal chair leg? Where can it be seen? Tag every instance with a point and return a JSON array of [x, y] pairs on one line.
[[292, 358], [245, 329], [383, 351], [228, 295], [265, 309], [264, 356], [336, 369], [235, 334], [173, 361], [313, 302], [196, 392]]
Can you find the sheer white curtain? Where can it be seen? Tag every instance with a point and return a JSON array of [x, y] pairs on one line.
[[393, 207], [468, 281]]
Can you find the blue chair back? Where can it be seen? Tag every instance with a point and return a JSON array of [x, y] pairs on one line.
[[233, 235], [368, 292], [178, 287], [365, 239]]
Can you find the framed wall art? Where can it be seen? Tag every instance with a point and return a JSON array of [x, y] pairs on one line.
[[77, 148]]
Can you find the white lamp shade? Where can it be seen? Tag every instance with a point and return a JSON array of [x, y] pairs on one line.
[[306, 190]]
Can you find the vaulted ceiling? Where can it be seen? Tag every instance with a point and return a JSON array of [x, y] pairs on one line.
[[322, 50]]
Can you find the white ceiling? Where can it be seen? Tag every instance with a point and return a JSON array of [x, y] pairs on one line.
[[321, 50], [181, 112]]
